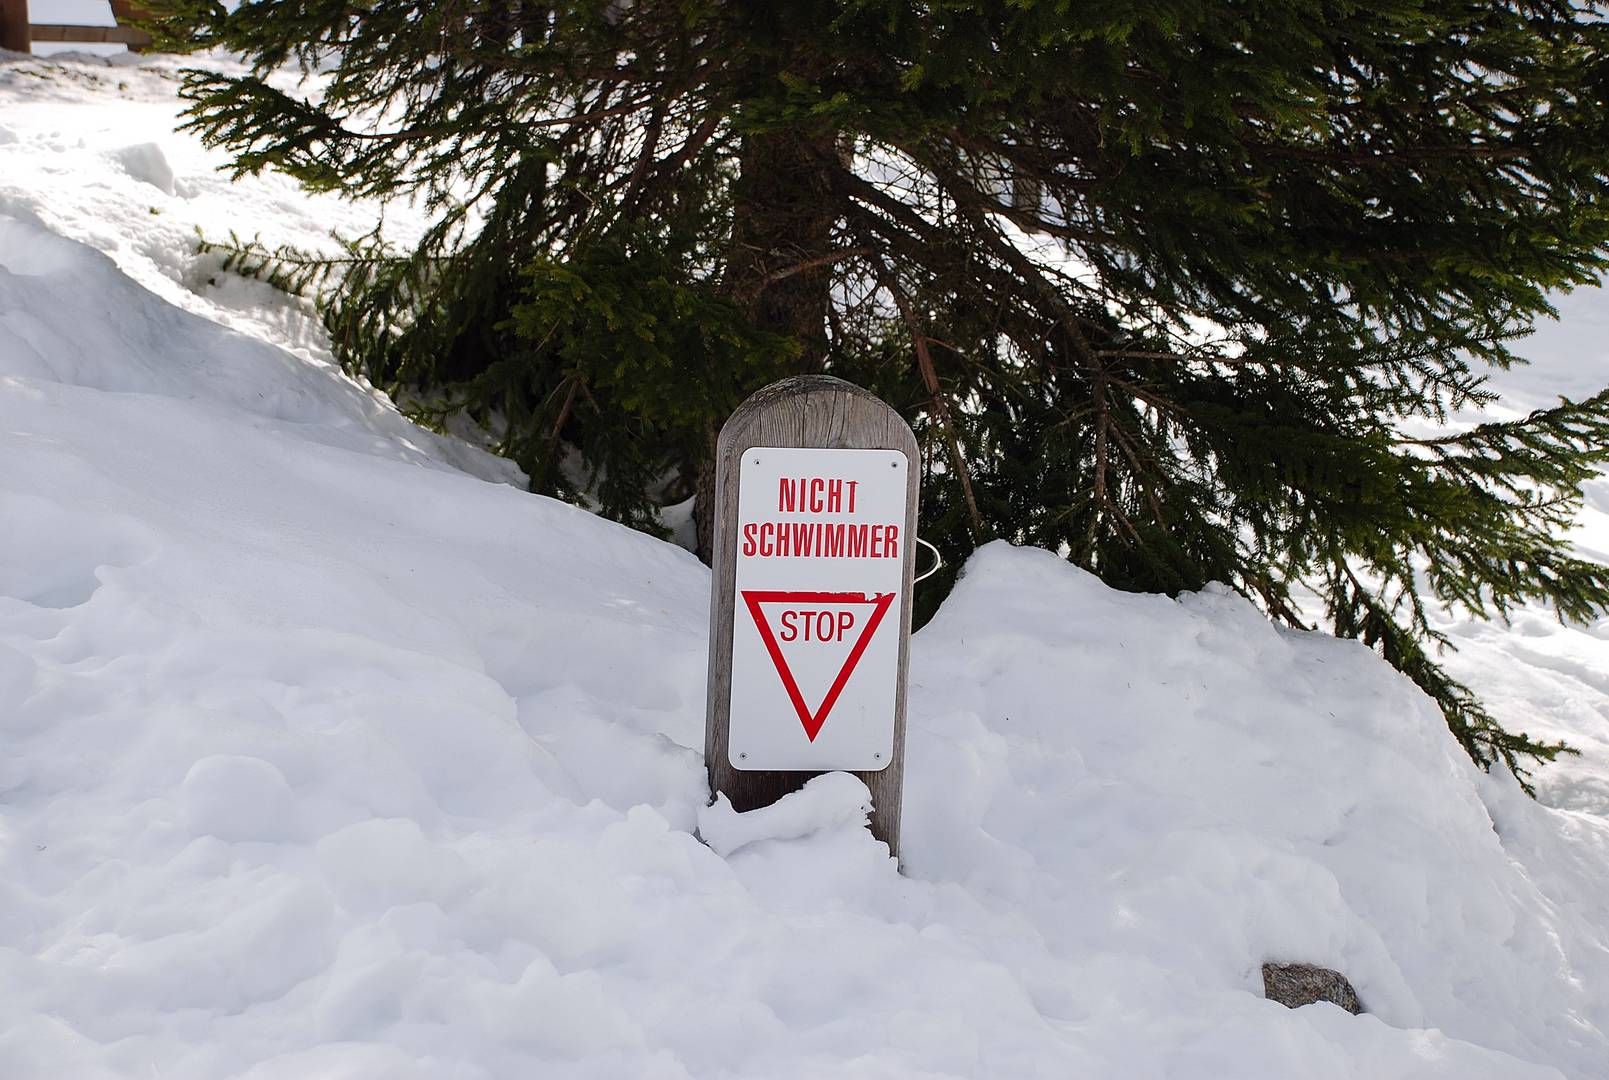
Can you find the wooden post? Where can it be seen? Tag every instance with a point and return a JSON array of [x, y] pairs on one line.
[[14, 33], [823, 412], [125, 12]]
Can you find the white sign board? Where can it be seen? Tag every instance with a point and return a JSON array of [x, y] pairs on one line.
[[816, 623]]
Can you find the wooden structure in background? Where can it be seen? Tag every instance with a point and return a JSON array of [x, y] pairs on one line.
[[811, 411], [17, 33]]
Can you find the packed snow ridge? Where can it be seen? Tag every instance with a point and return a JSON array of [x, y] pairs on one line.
[[325, 758]]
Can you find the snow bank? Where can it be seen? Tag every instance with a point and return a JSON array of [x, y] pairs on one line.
[[324, 759], [1206, 787], [322, 756], [93, 156]]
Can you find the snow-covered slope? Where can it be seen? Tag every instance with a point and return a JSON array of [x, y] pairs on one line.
[[323, 758], [88, 149]]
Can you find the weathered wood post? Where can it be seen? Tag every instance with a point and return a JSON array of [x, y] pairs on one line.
[[810, 604], [14, 31]]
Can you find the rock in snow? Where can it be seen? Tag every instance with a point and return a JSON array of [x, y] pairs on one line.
[[322, 758], [1295, 985]]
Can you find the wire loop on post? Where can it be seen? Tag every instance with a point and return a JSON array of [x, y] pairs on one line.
[[938, 562]]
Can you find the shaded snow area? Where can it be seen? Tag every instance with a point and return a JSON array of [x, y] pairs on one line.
[[322, 758]]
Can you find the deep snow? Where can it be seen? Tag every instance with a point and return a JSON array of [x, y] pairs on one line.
[[325, 759]]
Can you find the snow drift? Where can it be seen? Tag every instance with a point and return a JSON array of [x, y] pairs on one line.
[[325, 759]]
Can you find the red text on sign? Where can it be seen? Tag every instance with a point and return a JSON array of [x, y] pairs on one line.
[[832, 604], [816, 495], [815, 625], [819, 540]]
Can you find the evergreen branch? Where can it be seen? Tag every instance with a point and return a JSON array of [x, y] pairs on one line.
[[930, 378]]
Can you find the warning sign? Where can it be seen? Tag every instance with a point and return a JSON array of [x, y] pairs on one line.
[[815, 635]]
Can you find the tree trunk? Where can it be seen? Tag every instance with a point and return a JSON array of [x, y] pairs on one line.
[[777, 272], [782, 219]]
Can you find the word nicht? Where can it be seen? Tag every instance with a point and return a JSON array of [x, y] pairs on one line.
[[814, 497]]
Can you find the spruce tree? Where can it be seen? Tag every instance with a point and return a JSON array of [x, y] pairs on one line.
[[1174, 288]]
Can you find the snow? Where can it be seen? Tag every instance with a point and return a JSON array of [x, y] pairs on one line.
[[329, 752], [117, 178], [826, 802], [145, 161]]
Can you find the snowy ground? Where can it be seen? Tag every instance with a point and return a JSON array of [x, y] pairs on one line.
[[325, 759]]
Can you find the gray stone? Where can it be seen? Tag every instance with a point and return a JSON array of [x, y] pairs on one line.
[[1295, 985]]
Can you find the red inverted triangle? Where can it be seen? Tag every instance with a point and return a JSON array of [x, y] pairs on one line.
[[812, 721]]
